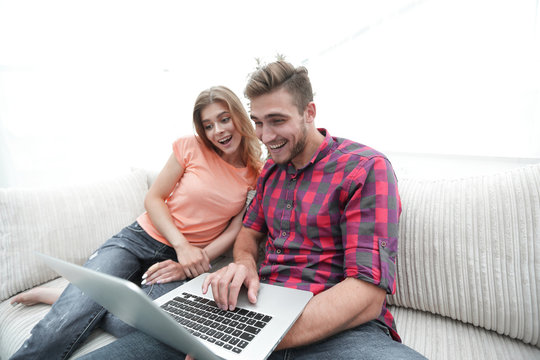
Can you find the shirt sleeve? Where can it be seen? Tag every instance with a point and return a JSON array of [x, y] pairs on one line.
[[254, 217], [370, 225]]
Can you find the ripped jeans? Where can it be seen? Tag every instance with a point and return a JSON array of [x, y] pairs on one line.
[[74, 315]]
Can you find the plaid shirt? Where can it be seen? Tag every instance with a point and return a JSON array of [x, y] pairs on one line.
[[335, 218]]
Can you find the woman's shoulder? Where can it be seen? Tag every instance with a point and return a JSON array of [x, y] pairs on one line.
[[188, 148], [187, 140], [189, 143]]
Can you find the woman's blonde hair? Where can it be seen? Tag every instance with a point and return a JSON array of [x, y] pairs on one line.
[[249, 145]]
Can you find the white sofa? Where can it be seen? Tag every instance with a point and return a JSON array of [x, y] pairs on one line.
[[468, 264]]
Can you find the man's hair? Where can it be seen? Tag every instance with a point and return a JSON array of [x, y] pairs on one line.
[[278, 75]]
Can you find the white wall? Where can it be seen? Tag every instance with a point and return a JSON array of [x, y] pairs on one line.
[[451, 77], [89, 88]]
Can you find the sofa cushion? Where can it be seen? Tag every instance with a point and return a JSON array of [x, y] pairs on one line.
[[470, 250], [439, 337], [69, 223], [17, 321]]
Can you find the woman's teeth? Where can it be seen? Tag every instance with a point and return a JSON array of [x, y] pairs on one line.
[[225, 140]]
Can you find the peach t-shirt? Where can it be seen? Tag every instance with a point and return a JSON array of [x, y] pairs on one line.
[[207, 196]]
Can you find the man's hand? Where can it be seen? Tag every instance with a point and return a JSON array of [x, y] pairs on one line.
[[227, 282], [163, 272], [194, 260]]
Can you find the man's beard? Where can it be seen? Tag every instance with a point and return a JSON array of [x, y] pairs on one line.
[[297, 149]]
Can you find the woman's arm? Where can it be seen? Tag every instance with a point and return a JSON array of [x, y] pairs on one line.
[[226, 239], [194, 260], [168, 270]]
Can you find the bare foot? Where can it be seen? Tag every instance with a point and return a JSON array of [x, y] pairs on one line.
[[37, 295]]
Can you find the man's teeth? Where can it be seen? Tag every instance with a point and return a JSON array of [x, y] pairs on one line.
[[224, 140], [277, 146]]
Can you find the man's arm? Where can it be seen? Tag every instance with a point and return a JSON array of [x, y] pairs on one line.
[[344, 306], [226, 282]]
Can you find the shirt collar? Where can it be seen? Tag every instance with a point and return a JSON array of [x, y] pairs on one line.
[[323, 150]]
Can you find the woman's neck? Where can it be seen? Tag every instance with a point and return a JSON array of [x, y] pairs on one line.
[[234, 160]]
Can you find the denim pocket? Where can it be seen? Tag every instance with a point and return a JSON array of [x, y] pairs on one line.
[[135, 227], [382, 327]]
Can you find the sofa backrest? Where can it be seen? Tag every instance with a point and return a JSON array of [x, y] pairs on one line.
[[469, 249], [69, 223]]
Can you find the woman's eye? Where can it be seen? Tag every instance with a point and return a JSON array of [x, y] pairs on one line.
[[226, 119], [207, 127]]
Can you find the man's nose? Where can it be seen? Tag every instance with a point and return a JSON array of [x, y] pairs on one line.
[[266, 134]]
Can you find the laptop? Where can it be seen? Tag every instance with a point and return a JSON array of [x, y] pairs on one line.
[[188, 320]]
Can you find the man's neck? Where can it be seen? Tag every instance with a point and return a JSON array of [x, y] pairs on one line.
[[313, 143]]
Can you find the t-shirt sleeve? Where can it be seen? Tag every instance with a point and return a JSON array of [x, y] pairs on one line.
[[183, 149], [370, 223]]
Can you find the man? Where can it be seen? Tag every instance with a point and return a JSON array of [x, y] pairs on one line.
[[328, 210]]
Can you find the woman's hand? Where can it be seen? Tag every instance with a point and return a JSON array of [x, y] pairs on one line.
[[163, 272], [194, 260]]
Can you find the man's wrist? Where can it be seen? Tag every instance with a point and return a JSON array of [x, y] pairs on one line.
[[248, 261]]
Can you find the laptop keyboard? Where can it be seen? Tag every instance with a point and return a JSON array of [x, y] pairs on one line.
[[232, 330]]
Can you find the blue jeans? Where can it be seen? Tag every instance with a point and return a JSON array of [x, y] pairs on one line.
[[74, 315], [367, 341]]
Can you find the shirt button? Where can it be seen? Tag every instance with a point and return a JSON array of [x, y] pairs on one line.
[[278, 251], [383, 243], [283, 234], [289, 206]]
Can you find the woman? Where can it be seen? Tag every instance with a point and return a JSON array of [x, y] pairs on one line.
[[194, 211]]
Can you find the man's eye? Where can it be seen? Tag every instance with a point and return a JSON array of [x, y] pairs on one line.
[[277, 121], [258, 124]]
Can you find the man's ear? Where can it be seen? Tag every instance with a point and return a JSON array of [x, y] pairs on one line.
[[310, 112]]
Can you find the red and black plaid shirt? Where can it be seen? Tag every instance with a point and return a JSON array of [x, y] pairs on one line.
[[335, 218]]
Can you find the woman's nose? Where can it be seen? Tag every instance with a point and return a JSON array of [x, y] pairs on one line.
[[219, 128]]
